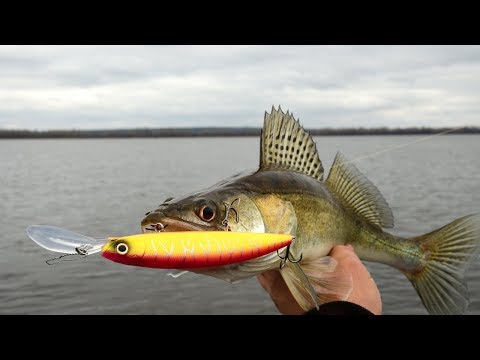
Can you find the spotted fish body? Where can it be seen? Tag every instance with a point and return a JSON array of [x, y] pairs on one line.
[[192, 249], [288, 194]]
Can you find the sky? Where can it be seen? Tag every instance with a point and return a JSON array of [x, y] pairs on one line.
[[103, 87]]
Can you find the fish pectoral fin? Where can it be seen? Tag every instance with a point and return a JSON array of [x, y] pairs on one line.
[[303, 283], [322, 279]]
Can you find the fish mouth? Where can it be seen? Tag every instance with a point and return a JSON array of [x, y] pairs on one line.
[[169, 224]]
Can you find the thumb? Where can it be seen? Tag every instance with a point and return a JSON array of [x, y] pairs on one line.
[[273, 283]]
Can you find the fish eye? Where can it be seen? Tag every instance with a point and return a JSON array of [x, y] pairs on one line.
[[206, 213], [122, 248]]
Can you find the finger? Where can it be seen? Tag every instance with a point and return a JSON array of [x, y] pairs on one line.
[[269, 279], [272, 281], [365, 291], [341, 251]]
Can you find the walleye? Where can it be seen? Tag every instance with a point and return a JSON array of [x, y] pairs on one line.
[[288, 195]]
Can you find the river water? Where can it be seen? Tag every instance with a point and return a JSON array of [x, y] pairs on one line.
[[102, 187]]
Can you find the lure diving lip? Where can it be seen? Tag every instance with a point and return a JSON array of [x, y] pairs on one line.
[[64, 241], [165, 250]]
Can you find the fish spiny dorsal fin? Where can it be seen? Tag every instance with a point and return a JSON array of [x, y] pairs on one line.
[[358, 194], [285, 145]]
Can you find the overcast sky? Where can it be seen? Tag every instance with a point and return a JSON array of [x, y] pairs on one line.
[[89, 87]]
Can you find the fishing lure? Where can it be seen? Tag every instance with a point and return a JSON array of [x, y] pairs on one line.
[[165, 250], [192, 249]]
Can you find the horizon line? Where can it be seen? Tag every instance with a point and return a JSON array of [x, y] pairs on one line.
[[216, 131]]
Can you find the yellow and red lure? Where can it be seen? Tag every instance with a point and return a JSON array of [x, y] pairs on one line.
[[192, 249]]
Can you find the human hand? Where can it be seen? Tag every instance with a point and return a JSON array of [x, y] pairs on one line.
[[365, 292]]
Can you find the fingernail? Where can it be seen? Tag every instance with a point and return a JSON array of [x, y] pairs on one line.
[[350, 247]]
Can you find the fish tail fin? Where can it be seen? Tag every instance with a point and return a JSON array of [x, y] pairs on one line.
[[447, 254]]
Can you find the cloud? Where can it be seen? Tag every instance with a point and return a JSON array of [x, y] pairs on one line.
[[65, 87]]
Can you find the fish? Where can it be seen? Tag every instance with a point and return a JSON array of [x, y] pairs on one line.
[[289, 194]]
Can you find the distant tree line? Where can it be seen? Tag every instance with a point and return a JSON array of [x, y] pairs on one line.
[[216, 132]]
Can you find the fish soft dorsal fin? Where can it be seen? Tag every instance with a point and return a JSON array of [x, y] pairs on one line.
[[358, 194], [285, 145]]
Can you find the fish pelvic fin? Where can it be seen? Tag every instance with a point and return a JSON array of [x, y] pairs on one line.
[[286, 145], [358, 194], [448, 252], [317, 282]]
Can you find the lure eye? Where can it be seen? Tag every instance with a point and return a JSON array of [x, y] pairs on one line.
[[122, 248], [206, 213]]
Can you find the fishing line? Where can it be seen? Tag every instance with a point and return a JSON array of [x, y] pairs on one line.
[[81, 251], [399, 146], [61, 258]]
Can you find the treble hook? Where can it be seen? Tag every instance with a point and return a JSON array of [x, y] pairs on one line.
[[227, 212], [158, 227], [288, 256]]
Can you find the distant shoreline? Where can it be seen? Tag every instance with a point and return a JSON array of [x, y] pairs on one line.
[[214, 132]]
